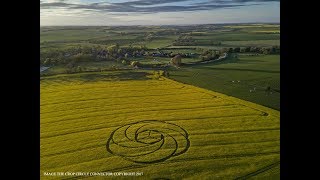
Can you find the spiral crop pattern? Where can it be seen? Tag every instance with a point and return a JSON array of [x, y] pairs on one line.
[[148, 141]]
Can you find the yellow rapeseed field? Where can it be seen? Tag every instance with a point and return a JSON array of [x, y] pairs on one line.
[[156, 128]]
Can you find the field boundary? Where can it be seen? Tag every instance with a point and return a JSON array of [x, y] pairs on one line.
[[231, 98]]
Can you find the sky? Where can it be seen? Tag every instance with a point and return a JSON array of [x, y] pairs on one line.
[[156, 12]]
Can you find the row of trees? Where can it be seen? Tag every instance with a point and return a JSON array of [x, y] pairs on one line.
[[85, 53], [184, 40], [71, 56], [214, 54], [210, 54], [260, 50]]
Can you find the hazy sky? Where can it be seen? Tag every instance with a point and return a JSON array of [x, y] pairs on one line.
[[157, 12]]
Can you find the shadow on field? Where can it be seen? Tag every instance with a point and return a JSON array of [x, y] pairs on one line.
[[251, 61], [200, 64], [178, 75], [120, 76], [237, 69], [101, 76]]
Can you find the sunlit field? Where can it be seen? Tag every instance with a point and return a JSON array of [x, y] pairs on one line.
[[126, 122]]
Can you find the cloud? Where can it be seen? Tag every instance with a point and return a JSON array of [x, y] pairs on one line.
[[148, 2], [256, 0], [147, 6], [53, 5]]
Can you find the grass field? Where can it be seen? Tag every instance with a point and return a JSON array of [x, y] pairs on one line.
[[257, 43], [90, 66], [70, 34], [252, 71], [123, 121], [237, 35]]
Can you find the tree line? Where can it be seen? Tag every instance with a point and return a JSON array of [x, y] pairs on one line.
[[259, 50], [71, 56], [86, 53]]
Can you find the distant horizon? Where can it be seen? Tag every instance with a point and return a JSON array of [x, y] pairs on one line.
[[159, 24]]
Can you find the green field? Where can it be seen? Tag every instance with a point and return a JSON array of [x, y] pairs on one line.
[[163, 36], [122, 121], [261, 43], [90, 66], [70, 34], [252, 72]]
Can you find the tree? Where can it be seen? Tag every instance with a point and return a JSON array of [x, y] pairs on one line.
[[224, 50], [268, 90], [253, 49], [113, 49], [176, 60], [236, 50], [126, 56], [124, 62], [135, 64], [265, 50], [166, 73], [47, 61], [172, 54], [206, 57], [205, 52], [120, 51], [86, 50], [70, 65], [213, 54], [78, 57], [275, 50], [149, 37], [79, 69]]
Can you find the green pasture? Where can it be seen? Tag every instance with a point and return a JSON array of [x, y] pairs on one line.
[[257, 72]]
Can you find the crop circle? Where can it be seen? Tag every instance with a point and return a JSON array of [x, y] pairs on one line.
[[148, 141]]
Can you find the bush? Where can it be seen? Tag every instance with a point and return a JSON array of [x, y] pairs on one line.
[[70, 65], [47, 61], [79, 69], [124, 62], [236, 50], [158, 74]]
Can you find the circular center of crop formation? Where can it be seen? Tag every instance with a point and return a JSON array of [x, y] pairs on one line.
[[148, 141]]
